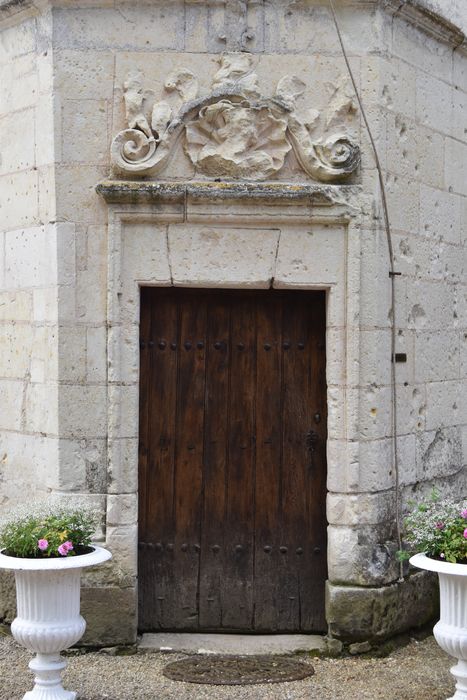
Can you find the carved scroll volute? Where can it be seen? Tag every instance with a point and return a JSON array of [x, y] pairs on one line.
[[331, 161], [144, 149], [134, 154], [339, 157]]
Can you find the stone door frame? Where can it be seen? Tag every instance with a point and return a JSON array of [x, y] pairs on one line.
[[154, 240]]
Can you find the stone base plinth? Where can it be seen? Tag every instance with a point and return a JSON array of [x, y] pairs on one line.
[[357, 613]]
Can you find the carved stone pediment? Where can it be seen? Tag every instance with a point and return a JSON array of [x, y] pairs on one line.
[[231, 133]]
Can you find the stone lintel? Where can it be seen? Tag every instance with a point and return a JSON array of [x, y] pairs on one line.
[[372, 614], [144, 192]]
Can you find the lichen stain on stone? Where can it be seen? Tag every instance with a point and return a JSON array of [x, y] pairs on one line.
[[114, 191], [380, 560], [404, 248], [444, 450], [417, 316], [209, 235]]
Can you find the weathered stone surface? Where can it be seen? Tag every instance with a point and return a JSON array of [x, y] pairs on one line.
[[438, 453], [83, 465], [334, 646], [363, 556], [110, 615], [7, 596], [220, 256], [82, 411], [362, 614], [456, 168], [32, 456], [360, 509], [233, 644], [30, 257]]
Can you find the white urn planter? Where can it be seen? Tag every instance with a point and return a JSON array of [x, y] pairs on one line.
[[48, 618], [451, 630]]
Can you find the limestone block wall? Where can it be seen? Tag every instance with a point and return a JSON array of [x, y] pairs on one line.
[[415, 94], [412, 76], [421, 92], [29, 271]]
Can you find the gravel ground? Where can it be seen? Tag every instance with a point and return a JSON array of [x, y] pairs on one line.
[[418, 671]]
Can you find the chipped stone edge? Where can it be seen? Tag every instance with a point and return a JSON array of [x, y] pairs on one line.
[[428, 21], [126, 191], [8, 5], [16, 10]]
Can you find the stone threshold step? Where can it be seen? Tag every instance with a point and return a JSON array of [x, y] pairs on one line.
[[231, 644]]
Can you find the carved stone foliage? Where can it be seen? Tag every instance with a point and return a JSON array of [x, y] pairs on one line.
[[232, 132]]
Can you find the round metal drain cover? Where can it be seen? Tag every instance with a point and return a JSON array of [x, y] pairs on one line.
[[237, 670]]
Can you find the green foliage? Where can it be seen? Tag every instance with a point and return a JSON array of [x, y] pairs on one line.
[[437, 527], [45, 533]]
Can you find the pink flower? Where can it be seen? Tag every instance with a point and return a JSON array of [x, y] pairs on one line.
[[464, 513], [442, 555], [42, 544], [65, 548], [440, 526], [465, 533]]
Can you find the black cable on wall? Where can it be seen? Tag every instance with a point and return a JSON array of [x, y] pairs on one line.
[[392, 275]]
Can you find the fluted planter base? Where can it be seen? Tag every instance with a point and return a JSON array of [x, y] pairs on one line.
[[451, 630], [48, 669], [48, 620], [459, 671]]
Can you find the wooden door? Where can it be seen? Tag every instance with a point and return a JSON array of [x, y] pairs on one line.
[[232, 467]]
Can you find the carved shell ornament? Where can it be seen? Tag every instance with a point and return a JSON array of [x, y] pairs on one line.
[[237, 141], [232, 132]]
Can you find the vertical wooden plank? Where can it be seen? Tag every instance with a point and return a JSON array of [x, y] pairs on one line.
[[143, 443], [313, 572], [215, 461], [296, 423], [145, 597], [161, 430], [237, 590], [188, 478], [267, 593]]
